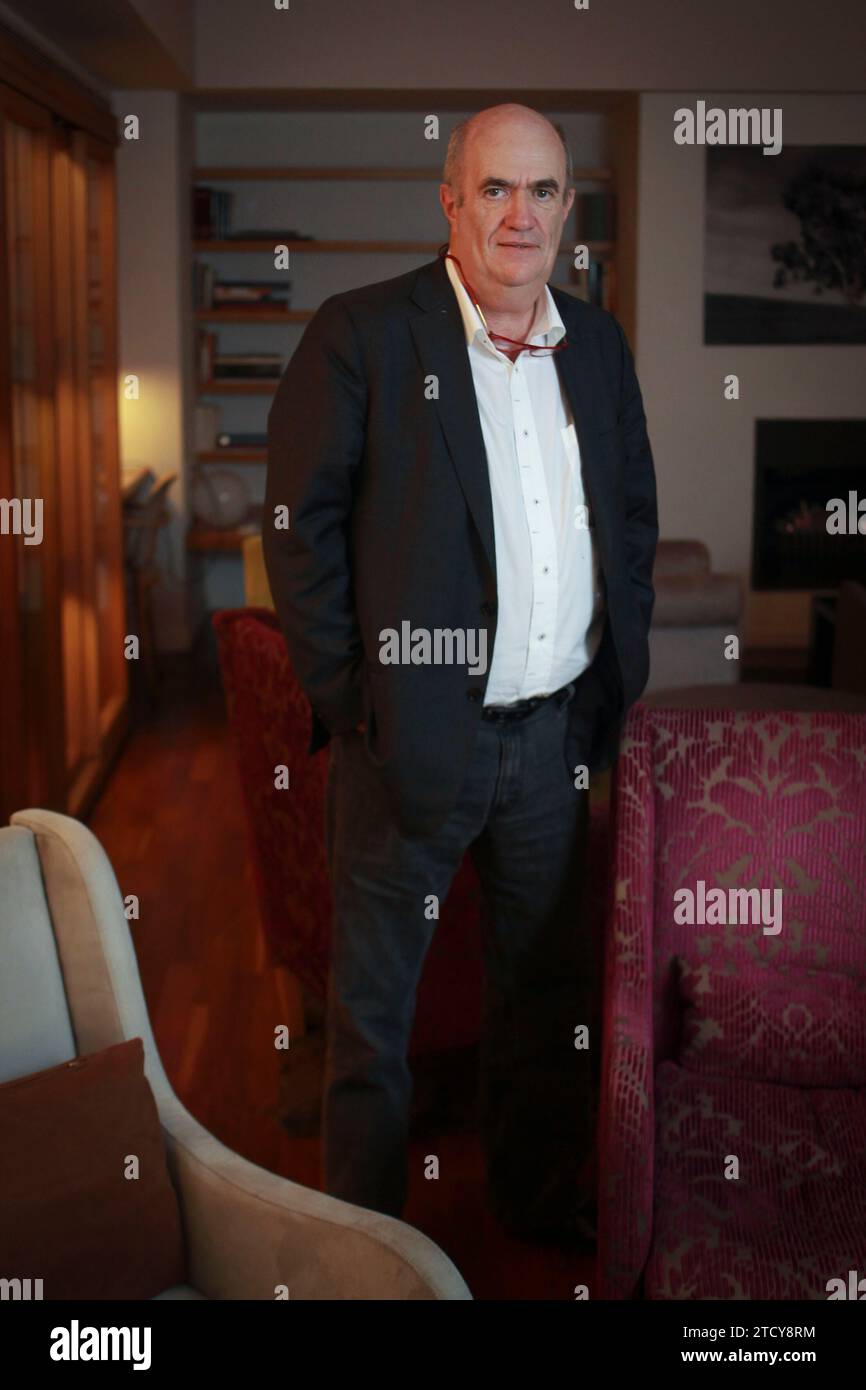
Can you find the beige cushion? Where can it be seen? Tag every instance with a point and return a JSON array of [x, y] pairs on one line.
[[680, 557]]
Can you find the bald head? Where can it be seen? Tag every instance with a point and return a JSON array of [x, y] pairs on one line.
[[502, 122], [506, 194]]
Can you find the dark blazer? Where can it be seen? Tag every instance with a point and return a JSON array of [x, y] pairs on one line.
[[391, 520]]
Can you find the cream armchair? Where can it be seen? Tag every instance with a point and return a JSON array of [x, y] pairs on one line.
[[695, 610], [69, 985]]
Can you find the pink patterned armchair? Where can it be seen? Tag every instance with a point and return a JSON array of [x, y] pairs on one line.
[[732, 1127]]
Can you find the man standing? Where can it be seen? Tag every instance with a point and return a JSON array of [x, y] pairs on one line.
[[465, 591]]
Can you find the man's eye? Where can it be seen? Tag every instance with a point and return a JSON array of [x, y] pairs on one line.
[[492, 188]]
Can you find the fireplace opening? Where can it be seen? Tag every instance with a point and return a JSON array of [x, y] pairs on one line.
[[800, 465]]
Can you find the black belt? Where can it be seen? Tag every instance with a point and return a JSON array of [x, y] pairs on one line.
[[520, 708]]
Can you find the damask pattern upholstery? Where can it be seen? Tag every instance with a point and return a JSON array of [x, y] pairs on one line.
[[733, 799], [793, 1219], [799, 1027]]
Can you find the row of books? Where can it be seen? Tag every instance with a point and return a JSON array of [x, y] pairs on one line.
[[211, 213], [249, 295], [212, 220], [595, 285], [236, 366], [595, 216]]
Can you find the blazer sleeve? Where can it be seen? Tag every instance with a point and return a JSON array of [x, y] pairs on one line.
[[316, 428], [641, 508]]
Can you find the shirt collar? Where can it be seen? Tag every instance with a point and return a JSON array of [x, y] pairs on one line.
[[548, 327]]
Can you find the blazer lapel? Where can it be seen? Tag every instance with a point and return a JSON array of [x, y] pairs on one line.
[[441, 344], [593, 413]]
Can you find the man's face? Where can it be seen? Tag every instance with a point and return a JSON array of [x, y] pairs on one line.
[[507, 230]]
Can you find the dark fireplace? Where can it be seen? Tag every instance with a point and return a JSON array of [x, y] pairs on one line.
[[800, 465]]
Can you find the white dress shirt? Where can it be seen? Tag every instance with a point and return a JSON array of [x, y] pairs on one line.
[[550, 608]]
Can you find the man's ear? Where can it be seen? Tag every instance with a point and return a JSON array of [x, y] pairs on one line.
[[448, 201]]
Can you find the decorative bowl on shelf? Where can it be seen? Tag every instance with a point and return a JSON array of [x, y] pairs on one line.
[[219, 498]]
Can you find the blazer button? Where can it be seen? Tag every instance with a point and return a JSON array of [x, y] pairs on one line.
[[474, 695], [488, 608]]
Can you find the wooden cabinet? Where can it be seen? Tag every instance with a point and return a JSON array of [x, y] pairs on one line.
[[63, 678]]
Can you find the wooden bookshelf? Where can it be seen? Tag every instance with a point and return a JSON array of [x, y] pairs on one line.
[[224, 538], [254, 315], [232, 455], [237, 388]]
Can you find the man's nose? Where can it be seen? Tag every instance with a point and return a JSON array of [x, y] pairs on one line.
[[520, 210]]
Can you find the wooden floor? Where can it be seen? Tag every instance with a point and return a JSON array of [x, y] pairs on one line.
[[170, 819]]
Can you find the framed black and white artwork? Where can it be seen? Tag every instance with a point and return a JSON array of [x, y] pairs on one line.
[[785, 245]]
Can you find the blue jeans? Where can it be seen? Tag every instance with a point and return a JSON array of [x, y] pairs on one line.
[[525, 824]]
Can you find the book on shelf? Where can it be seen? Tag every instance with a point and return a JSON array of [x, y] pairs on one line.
[[207, 418], [248, 364], [601, 277], [594, 285], [596, 216], [203, 278], [250, 293], [267, 234], [239, 373], [211, 293], [233, 439], [211, 213], [206, 354]]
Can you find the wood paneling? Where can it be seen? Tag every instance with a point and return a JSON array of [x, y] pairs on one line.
[[31, 734], [62, 601]]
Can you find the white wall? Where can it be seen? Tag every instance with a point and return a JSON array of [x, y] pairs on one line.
[[703, 444], [153, 282]]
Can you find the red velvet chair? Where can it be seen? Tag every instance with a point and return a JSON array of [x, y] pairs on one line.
[[725, 1041], [269, 716]]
